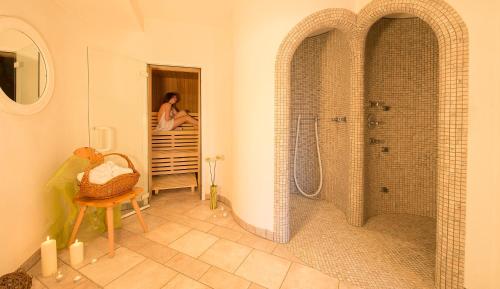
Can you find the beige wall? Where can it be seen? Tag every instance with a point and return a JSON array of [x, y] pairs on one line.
[[34, 146], [42, 141], [259, 28], [482, 259]]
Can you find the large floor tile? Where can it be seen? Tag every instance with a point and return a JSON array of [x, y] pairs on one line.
[[194, 243], [182, 282], [132, 241], [257, 242], [226, 255], [284, 253], [133, 225], [219, 279], [106, 269], [120, 234], [172, 207], [93, 249], [146, 275], [188, 265], [67, 280], [152, 260], [256, 286], [226, 233], [157, 252], [264, 269], [148, 248], [156, 210], [167, 233], [87, 284], [190, 222], [36, 284], [303, 277], [201, 212], [220, 220], [180, 208]]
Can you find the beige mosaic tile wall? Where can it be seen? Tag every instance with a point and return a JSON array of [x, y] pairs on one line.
[[341, 19], [401, 73], [306, 87], [452, 37], [451, 33], [334, 100], [320, 88]]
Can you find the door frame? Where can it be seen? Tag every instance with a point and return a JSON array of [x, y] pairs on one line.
[[166, 67]]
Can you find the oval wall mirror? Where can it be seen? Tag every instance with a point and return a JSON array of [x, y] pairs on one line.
[[26, 73]]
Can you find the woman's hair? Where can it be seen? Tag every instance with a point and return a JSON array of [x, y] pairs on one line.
[[168, 96]]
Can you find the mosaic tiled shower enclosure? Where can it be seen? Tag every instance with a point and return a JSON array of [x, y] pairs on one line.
[[401, 97], [452, 39], [320, 90]]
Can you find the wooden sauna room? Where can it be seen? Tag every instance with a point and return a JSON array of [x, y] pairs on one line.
[[174, 156]]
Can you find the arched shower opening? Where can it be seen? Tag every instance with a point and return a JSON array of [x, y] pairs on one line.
[[445, 153]]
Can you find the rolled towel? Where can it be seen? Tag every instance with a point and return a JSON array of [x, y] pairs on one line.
[[105, 172]]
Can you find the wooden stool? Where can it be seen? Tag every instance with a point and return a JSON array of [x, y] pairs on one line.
[[109, 204]]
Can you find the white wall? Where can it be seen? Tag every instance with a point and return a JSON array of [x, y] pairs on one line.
[[238, 122], [34, 146], [259, 28], [482, 260], [196, 35]]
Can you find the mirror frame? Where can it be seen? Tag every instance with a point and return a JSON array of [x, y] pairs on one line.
[[10, 106]]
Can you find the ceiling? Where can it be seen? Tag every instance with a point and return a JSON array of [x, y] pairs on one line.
[[115, 14], [131, 14]]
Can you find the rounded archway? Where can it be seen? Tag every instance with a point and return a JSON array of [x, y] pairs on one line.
[[341, 19], [452, 38]]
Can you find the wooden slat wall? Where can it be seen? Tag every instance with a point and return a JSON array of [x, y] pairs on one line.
[[175, 155], [175, 151], [186, 83]]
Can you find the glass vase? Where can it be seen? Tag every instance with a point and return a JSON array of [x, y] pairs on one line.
[[213, 197]]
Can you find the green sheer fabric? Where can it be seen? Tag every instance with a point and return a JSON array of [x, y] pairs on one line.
[[62, 211]]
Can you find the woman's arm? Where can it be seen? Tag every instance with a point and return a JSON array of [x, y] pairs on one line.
[[167, 107]]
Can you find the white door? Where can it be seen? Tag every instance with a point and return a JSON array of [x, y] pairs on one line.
[[118, 108]]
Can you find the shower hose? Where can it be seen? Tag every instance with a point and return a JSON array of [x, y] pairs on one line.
[[309, 195]]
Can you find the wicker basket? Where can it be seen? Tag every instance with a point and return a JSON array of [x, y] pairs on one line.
[[16, 280], [115, 186]]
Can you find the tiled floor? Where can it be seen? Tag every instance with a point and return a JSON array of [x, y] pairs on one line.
[[389, 251], [188, 246]]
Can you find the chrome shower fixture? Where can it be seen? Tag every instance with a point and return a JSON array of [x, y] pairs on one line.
[[372, 121], [374, 141], [375, 103], [340, 119], [378, 104]]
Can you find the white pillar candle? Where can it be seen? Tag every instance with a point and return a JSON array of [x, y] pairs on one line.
[[49, 257], [76, 253]]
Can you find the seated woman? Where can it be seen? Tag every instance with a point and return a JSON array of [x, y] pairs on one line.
[[168, 116]]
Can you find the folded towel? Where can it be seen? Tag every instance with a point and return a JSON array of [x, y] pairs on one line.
[[105, 172]]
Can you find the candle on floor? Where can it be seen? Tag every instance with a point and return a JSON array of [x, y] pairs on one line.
[[49, 257], [76, 253]]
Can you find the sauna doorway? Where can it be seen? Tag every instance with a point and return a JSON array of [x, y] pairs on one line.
[[174, 155]]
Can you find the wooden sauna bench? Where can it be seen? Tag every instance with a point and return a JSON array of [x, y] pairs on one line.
[[175, 157]]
